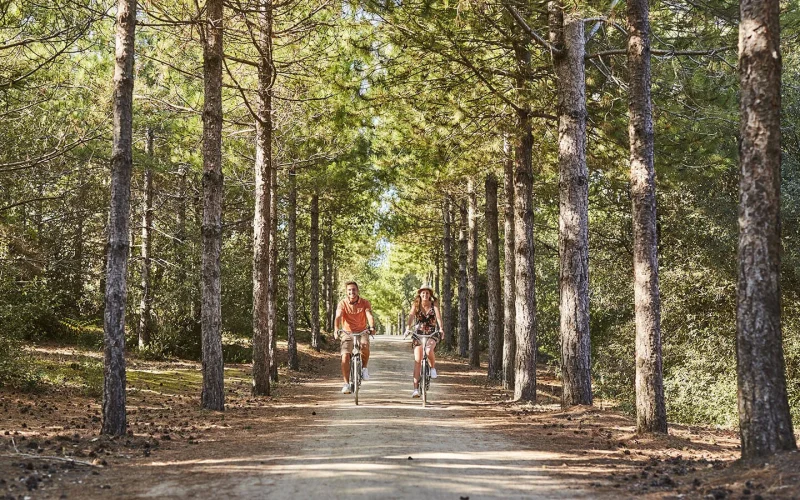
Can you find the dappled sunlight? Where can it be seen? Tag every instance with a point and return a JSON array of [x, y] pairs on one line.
[[308, 440], [484, 474], [73, 351]]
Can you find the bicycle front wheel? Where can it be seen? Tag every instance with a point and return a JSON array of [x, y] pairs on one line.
[[425, 373], [356, 378]]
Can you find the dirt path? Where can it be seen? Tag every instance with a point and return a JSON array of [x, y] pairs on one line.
[[310, 441], [387, 447]]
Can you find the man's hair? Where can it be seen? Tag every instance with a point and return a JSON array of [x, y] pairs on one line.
[[351, 283]]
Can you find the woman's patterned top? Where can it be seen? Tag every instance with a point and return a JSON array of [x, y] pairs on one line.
[[426, 320]]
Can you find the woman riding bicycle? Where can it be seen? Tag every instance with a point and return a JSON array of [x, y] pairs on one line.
[[425, 314]]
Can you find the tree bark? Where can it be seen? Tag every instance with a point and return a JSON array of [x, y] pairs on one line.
[[509, 312], [274, 275], [291, 306], [326, 274], [524, 248], [525, 275], [213, 395], [180, 244], [437, 275], [765, 424], [651, 415], [116, 290], [147, 225], [132, 240], [573, 219], [463, 294], [472, 275], [323, 281], [447, 290], [332, 288], [262, 234], [78, 277], [495, 304], [334, 282], [314, 302]]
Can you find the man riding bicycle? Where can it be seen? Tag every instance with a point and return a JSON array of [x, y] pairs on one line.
[[353, 314]]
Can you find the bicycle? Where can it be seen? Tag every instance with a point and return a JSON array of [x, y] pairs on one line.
[[425, 367], [355, 361]]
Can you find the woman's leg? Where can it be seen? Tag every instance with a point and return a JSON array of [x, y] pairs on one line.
[[431, 349], [417, 364]]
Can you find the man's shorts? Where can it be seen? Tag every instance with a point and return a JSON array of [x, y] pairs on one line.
[[347, 343]]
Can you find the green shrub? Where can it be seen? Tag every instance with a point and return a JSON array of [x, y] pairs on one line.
[[17, 369], [28, 310]]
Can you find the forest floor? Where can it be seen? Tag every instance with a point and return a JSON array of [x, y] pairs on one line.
[[50, 445]]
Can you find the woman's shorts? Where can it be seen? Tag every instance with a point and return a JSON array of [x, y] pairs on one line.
[[432, 342]]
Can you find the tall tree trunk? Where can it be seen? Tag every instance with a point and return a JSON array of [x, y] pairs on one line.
[[573, 219], [147, 224], [334, 284], [437, 275], [262, 234], [509, 312], [213, 395], [463, 294], [274, 275], [324, 282], [78, 279], [326, 274], [447, 289], [765, 424], [472, 275], [196, 293], [291, 306], [651, 415], [314, 302], [132, 239], [180, 244], [524, 248], [327, 258], [525, 275], [104, 275], [495, 306], [116, 290]]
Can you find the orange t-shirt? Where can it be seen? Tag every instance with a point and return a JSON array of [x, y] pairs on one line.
[[354, 316]]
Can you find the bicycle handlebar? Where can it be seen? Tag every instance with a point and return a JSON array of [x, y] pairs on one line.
[[354, 334], [414, 333]]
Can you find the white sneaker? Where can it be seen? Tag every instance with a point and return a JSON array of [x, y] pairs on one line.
[[415, 394], [346, 389], [433, 373], [364, 374]]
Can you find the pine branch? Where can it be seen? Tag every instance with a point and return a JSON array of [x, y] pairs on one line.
[[663, 52], [536, 37]]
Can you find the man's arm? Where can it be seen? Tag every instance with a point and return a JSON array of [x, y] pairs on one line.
[[336, 320], [370, 319]]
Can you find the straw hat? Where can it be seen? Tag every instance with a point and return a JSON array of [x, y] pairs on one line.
[[425, 287]]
